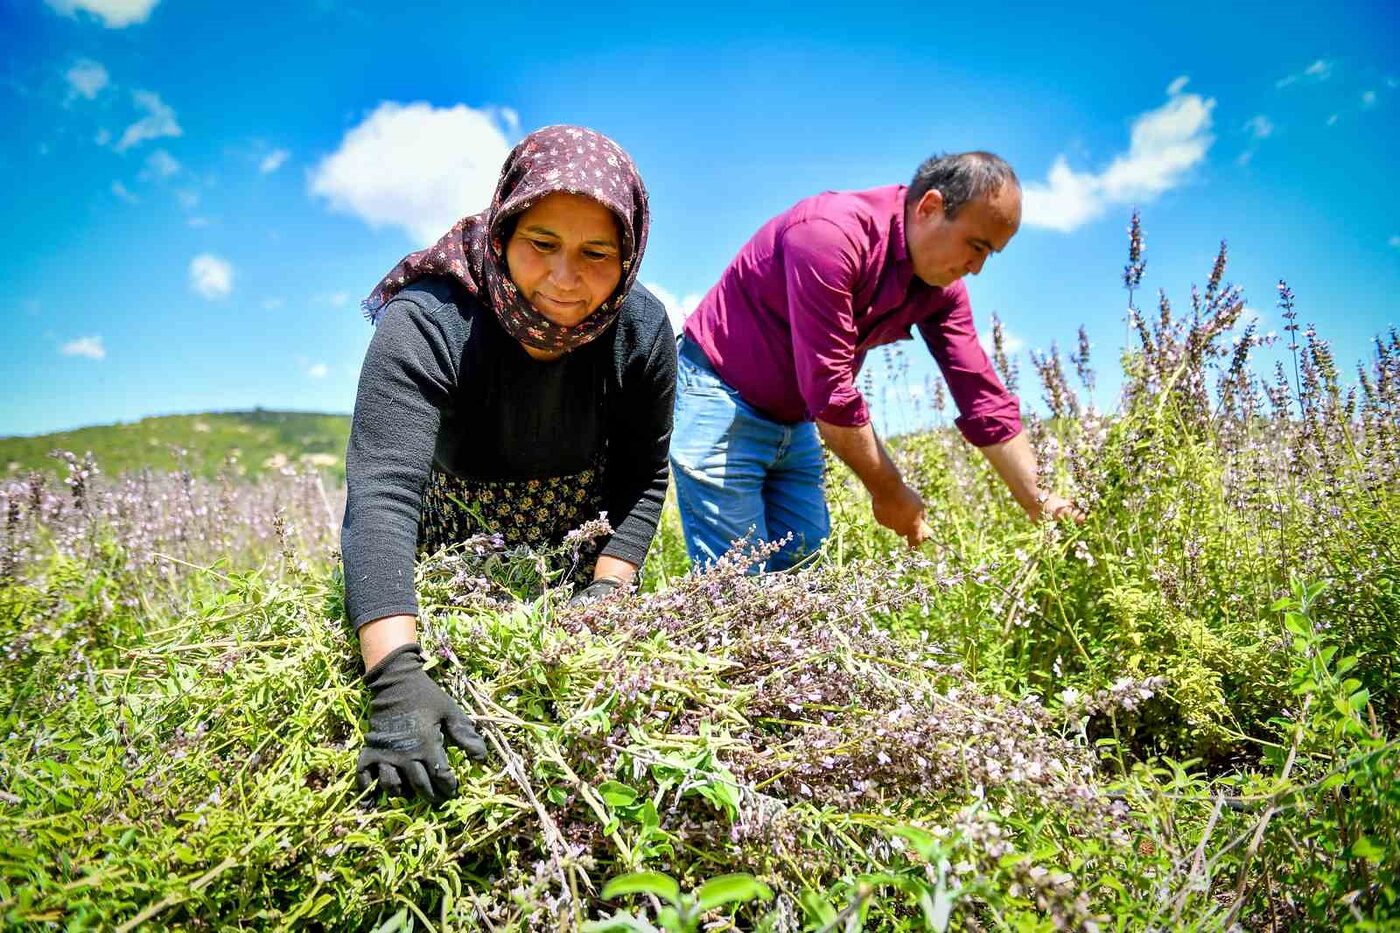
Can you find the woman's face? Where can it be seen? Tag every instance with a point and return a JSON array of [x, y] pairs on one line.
[[565, 256]]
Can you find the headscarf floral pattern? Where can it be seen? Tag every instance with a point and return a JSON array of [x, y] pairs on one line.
[[571, 159]]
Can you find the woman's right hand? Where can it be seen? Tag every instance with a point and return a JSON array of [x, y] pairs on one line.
[[410, 718]]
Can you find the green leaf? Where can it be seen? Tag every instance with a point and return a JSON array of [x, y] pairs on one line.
[[726, 889], [643, 882], [648, 816], [1359, 699], [922, 840], [398, 921], [817, 907], [1367, 849], [670, 920], [617, 794]]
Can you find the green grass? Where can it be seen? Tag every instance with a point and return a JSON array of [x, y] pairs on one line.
[[258, 440]]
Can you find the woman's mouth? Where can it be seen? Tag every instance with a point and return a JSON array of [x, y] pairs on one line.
[[558, 304]]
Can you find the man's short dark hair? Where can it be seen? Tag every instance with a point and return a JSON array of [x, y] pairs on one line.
[[960, 177]]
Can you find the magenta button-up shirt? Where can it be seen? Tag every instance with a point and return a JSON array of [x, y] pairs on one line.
[[790, 321]]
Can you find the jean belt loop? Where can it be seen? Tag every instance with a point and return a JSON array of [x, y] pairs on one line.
[[690, 350]]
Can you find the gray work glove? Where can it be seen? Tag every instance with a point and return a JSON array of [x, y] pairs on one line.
[[599, 589], [408, 718]]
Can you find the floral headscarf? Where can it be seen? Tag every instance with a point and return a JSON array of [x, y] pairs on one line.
[[572, 159]]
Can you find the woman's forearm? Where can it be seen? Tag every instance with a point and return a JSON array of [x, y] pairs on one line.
[[381, 636], [616, 568]]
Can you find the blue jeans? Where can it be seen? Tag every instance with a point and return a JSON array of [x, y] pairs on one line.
[[738, 472]]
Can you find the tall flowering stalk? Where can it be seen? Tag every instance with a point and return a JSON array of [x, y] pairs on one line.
[[1006, 367], [1132, 272], [1290, 314]]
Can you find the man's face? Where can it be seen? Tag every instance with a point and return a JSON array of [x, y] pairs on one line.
[[945, 250]]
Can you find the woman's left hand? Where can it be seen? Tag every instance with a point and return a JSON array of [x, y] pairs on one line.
[[598, 590]]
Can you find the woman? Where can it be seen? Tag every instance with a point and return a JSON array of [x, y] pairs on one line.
[[519, 382]]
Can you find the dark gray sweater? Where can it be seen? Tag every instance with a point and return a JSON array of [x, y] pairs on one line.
[[444, 385]]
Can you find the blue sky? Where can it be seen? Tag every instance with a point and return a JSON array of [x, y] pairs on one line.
[[195, 196]]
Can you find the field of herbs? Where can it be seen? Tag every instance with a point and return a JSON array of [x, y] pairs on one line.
[[1178, 715]]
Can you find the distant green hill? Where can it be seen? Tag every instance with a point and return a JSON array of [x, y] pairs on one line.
[[257, 440]]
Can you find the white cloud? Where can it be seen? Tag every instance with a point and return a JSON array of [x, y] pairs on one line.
[[1177, 86], [1013, 344], [1319, 70], [160, 164], [415, 166], [114, 14], [197, 222], [1259, 126], [317, 370], [188, 198], [121, 191], [159, 121], [86, 79], [677, 309], [273, 161], [1394, 241], [103, 137], [90, 347], [1368, 99], [272, 304], [1164, 145], [211, 276], [1332, 120], [338, 299]]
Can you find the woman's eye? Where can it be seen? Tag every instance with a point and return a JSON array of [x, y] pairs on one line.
[[596, 255], [544, 246]]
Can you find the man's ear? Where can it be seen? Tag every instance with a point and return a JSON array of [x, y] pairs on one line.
[[930, 205]]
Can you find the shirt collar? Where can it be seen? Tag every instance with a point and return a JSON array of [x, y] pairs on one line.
[[903, 265], [901, 244]]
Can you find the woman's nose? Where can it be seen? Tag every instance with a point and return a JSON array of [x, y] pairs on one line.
[[565, 272]]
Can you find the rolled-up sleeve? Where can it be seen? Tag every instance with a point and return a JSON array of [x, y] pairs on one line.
[[821, 262], [988, 412]]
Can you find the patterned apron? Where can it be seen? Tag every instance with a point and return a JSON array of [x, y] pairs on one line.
[[533, 512]]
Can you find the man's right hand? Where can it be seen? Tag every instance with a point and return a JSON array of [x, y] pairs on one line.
[[409, 717], [901, 510]]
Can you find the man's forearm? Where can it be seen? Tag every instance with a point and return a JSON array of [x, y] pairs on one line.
[[862, 451], [1015, 463]]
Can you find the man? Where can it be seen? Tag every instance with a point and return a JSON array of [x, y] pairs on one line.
[[769, 358]]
